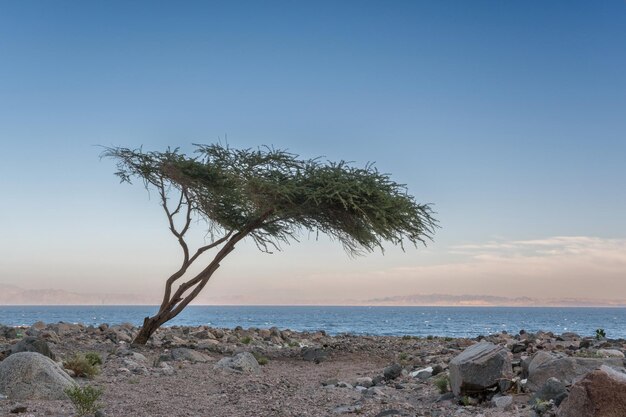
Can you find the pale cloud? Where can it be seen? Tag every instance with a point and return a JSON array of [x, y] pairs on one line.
[[556, 267]]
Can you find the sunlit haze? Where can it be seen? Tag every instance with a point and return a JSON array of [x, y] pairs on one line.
[[507, 116]]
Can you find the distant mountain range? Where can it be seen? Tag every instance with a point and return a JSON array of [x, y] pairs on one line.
[[12, 295], [490, 300]]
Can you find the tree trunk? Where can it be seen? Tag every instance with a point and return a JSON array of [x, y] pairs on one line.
[[150, 325], [171, 307]]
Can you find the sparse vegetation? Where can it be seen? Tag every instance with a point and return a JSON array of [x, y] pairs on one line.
[[246, 340], [442, 383], [82, 366], [540, 407], [262, 360], [85, 399], [600, 334], [94, 358]]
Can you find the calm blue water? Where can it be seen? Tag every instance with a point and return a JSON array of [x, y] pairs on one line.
[[418, 321]]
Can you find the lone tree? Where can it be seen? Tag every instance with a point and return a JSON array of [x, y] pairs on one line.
[[268, 196]]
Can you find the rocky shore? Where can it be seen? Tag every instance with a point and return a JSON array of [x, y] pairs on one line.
[[202, 371]]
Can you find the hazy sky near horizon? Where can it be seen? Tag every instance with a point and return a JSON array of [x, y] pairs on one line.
[[508, 116]]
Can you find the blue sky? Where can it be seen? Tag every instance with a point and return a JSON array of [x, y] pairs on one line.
[[508, 116]]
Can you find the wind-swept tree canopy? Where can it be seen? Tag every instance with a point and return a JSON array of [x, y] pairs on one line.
[[270, 196]]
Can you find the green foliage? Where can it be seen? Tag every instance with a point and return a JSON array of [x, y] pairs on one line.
[[600, 334], [85, 399], [246, 340], [81, 365], [442, 384], [293, 343], [94, 358], [541, 407], [466, 401], [272, 195], [262, 360]]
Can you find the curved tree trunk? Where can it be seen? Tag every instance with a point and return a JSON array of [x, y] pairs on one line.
[[150, 325]]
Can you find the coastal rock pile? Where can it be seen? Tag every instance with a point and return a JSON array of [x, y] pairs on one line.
[[312, 373]]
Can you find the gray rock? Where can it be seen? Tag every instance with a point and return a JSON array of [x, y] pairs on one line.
[[135, 367], [423, 373], [364, 382], [312, 354], [190, 355], [479, 367], [33, 344], [241, 362], [118, 334], [330, 382], [600, 393], [502, 402], [166, 369], [8, 332], [392, 371], [18, 408], [566, 369], [33, 376], [553, 390]]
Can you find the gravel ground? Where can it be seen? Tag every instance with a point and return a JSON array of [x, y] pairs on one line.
[[288, 385]]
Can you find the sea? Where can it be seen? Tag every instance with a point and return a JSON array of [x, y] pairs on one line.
[[389, 321]]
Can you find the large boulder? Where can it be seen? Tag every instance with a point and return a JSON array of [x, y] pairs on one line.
[[600, 393], [566, 369], [479, 367], [33, 344], [33, 376], [241, 362]]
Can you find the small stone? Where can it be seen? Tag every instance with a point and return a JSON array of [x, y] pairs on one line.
[[392, 371], [330, 382], [502, 403], [364, 382], [19, 408], [348, 409], [422, 373], [388, 413]]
